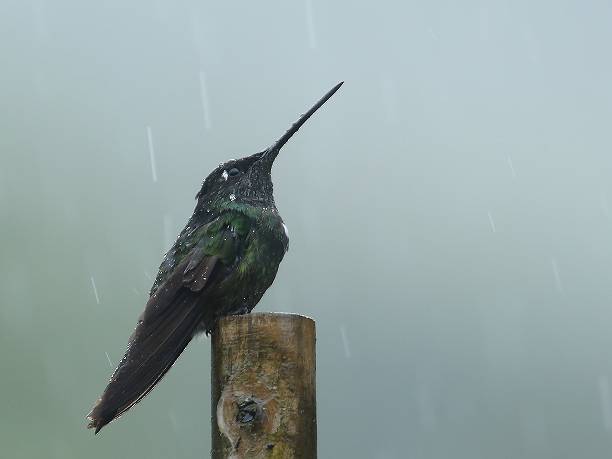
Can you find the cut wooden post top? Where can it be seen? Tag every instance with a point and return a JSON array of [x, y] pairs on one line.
[[264, 320]]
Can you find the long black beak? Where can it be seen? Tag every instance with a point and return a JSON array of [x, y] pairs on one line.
[[272, 152]]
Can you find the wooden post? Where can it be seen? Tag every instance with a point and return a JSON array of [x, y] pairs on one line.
[[263, 387]]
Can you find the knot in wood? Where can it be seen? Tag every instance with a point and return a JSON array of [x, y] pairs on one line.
[[249, 411]]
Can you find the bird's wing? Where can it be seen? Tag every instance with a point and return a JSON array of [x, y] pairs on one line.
[[173, 313]]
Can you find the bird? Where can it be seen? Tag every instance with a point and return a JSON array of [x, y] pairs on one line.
[[221, 264]]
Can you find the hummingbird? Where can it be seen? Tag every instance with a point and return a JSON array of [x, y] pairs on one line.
[[221, 264]]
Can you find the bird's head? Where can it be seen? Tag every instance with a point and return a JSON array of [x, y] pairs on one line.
[[248, 180]]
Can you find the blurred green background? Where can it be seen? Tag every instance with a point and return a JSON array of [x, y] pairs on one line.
[[449, 213]]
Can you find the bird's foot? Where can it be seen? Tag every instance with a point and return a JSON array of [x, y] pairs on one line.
[[240, 311]]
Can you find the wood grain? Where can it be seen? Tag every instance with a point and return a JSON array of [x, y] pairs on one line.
[[263, 387]]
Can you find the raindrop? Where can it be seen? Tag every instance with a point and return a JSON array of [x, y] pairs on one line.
[[345, 341], [204, 98], [555, 269], [95, 290], [110, 363], [511, 167], [152, 154], [312, 39], [606, 405], [491, 222]]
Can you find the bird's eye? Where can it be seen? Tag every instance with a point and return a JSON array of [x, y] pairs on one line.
[[233, 172]]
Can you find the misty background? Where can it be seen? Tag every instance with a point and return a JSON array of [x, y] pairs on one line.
[[449, 212]]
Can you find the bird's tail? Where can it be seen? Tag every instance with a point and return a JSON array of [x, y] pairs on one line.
[[159, 338]]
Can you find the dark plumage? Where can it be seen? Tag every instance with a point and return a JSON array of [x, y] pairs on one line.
[[221, 264]]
